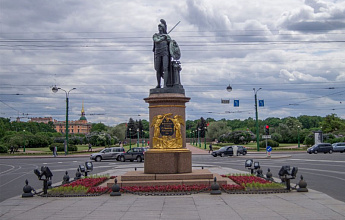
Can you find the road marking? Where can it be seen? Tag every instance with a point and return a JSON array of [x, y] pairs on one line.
[[17, 178], [12, 167], [325, 161]]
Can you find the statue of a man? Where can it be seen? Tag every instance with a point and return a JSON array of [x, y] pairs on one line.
[[161, 42]]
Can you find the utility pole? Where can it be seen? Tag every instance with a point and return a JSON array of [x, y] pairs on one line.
[[257, 119]]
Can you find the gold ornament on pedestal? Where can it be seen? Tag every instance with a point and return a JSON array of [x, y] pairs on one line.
[[167, 131]]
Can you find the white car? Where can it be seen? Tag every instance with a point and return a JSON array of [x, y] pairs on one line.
[[107, 154], [339, 147]]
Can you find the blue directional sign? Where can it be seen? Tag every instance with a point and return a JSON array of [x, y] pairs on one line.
[[261, 103], [268, 148], [236, 103]]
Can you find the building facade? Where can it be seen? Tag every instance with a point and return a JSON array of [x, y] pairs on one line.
[[80, 126]]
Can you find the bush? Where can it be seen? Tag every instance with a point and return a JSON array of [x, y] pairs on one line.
[[270, 142], [3, 149], [309, 140], [61, 147]]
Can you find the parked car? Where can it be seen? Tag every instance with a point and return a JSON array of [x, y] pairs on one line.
[[322, 147], [136, 153], [229, 151], [107, 154], [339, 147]]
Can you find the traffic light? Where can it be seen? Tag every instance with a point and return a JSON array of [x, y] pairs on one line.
[[267, 129]]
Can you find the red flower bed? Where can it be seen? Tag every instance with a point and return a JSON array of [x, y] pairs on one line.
[[98, 189], [248, 179], [87, 182], [232, 187]]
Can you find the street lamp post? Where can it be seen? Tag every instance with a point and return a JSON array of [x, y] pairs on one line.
[[142, 138], [130, 138], [138, 137], [205, 137], [257, 122], [24, 142], [192, 133], [199, 137], [298, 135], [55, 89]]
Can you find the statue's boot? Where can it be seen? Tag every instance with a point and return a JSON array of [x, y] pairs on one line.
[[158, 81]]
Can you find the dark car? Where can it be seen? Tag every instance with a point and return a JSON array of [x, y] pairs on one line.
[[136, 153], [339, 147], [322, 147], [107, 154], [229, 151]]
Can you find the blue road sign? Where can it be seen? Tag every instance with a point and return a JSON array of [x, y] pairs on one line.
[[268, 148], [236, 103], [261, 103]]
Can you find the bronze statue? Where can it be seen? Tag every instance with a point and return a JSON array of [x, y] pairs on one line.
[[166, 56]]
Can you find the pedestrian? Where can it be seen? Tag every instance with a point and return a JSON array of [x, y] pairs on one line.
[[54, 151], [210, 148], [11, 150], [90, 147]]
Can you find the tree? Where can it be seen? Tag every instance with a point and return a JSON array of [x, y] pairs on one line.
[[216, 129], [98, 127], [289, 129], [119, 131], [131, 128], [332, 123], [202, 125], [141, 128]]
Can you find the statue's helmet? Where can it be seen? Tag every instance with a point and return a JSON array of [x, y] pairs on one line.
[[163, 24]]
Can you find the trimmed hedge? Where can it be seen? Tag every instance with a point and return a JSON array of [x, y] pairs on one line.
[[61, 147], [3, 149], [270, 142]]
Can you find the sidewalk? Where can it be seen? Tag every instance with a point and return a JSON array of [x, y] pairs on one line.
[[203, 206]]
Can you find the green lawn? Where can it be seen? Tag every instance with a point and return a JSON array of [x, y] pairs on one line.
[[253, 147]]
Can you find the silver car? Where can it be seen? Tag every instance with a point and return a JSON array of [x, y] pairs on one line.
[[107, 154], [339, 147]]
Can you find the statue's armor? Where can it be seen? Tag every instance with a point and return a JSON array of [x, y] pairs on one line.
[[161, 50]]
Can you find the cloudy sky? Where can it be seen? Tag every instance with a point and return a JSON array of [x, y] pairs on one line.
[[292, 49]]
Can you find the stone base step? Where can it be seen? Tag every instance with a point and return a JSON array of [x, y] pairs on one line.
[[197, 177]]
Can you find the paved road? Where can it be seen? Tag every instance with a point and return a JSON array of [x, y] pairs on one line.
[[323, 172], [14, 172]]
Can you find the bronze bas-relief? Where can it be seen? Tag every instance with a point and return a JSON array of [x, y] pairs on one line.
[[167, 131]]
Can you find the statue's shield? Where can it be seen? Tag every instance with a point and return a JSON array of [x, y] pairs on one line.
[[174, 50]]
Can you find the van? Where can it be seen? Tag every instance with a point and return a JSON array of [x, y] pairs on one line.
[[322, 147]]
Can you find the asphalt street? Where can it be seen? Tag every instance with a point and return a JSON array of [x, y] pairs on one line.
[[322, 172]]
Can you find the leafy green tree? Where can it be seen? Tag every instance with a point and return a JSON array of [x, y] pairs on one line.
[[141, 128], [119, 131], [332, 123], [98, 127], [310, 121], [241, 137], [216, 129]]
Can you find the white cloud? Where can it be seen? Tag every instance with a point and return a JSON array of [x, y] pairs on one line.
[[104, 49]]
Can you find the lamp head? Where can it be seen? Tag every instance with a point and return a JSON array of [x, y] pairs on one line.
[[248, 163], [55, 89], [89, 166]]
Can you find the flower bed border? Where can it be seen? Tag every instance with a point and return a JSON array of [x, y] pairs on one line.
[[239, 188]]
